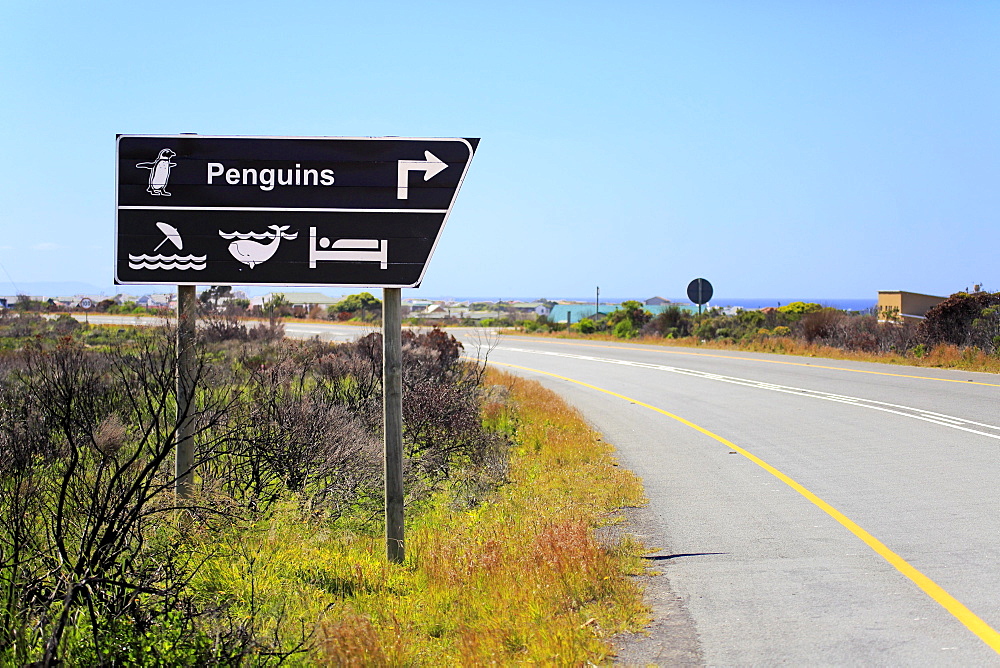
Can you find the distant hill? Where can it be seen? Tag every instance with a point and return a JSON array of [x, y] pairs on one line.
[[56, 288]]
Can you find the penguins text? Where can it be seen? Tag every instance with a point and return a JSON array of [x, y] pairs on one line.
[[267, 179]]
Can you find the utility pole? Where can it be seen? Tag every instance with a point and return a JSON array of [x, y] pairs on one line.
[[597, 302]]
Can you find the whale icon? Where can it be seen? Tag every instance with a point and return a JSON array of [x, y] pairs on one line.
[[251, 252]]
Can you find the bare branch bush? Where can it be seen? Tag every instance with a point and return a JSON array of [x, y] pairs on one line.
[[229, 325], [857, 332], [92, 558], [90, 554], [94, 438], [442, 427], [295, 435]]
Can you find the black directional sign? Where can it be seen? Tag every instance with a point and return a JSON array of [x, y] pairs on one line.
[[199, 210]]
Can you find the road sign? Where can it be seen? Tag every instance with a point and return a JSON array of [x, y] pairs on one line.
[[86, 303], [200, 210], [700, 291]]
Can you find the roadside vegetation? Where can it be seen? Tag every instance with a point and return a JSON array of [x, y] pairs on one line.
[[963, 332], [279, 558]]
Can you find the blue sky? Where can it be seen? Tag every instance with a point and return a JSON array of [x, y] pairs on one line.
[[785, 149]]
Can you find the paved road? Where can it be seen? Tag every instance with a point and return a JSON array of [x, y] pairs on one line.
[[804, 511], [295, 330], [904, 458]]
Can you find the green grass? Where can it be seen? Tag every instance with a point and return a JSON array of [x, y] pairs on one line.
[[518, 579]]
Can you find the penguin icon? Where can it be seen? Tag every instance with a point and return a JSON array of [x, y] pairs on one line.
[[159, 172]]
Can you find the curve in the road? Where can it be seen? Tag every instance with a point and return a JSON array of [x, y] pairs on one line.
[[773, 361], [939, 419], [981, 629]]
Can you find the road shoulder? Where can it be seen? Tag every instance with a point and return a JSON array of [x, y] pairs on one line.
[[671, 638]]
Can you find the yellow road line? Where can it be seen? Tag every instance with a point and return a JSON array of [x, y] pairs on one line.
[[658, 349], [984, 631]]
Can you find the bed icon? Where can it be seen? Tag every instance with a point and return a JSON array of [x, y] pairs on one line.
[[347, 250]]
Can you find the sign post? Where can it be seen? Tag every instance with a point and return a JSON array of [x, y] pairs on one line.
[[283, 211], [85, 304], [392, 398], [187, 306]]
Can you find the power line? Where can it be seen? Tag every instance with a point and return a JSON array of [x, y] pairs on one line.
[[17, 290]]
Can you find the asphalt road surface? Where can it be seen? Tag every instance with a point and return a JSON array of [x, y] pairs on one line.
[[803, 511]]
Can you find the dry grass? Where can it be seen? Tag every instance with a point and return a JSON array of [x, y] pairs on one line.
[[944, 356]]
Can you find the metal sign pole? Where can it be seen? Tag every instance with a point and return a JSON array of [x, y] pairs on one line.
[[186, 321], [392, 385]]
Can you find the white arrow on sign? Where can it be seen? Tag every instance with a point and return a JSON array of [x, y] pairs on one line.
[[431, 167]]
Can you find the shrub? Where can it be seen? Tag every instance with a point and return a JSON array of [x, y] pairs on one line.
[[363, 304], [228, 326], [751, 319], [821, 324], [799, 308], [952, 320], [92, 439], [94, 566], [625, 330], [985, 332], [672, 322], [631, 312], [586, 326], [66, 324], [711, 327]]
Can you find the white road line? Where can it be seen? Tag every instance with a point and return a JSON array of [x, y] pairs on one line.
[[895, 409]]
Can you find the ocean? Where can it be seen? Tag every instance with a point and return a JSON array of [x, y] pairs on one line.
[[845, 304]]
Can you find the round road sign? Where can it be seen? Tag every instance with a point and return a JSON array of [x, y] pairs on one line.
[[700, 291], [86, 303]]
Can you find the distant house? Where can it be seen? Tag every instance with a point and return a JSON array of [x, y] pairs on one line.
[[417, 304], [303, 300], [435, 311], [156, 301], [525, 308], [10, 301], [574, 312], [900, 306], [656, 301], [74, 301]]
